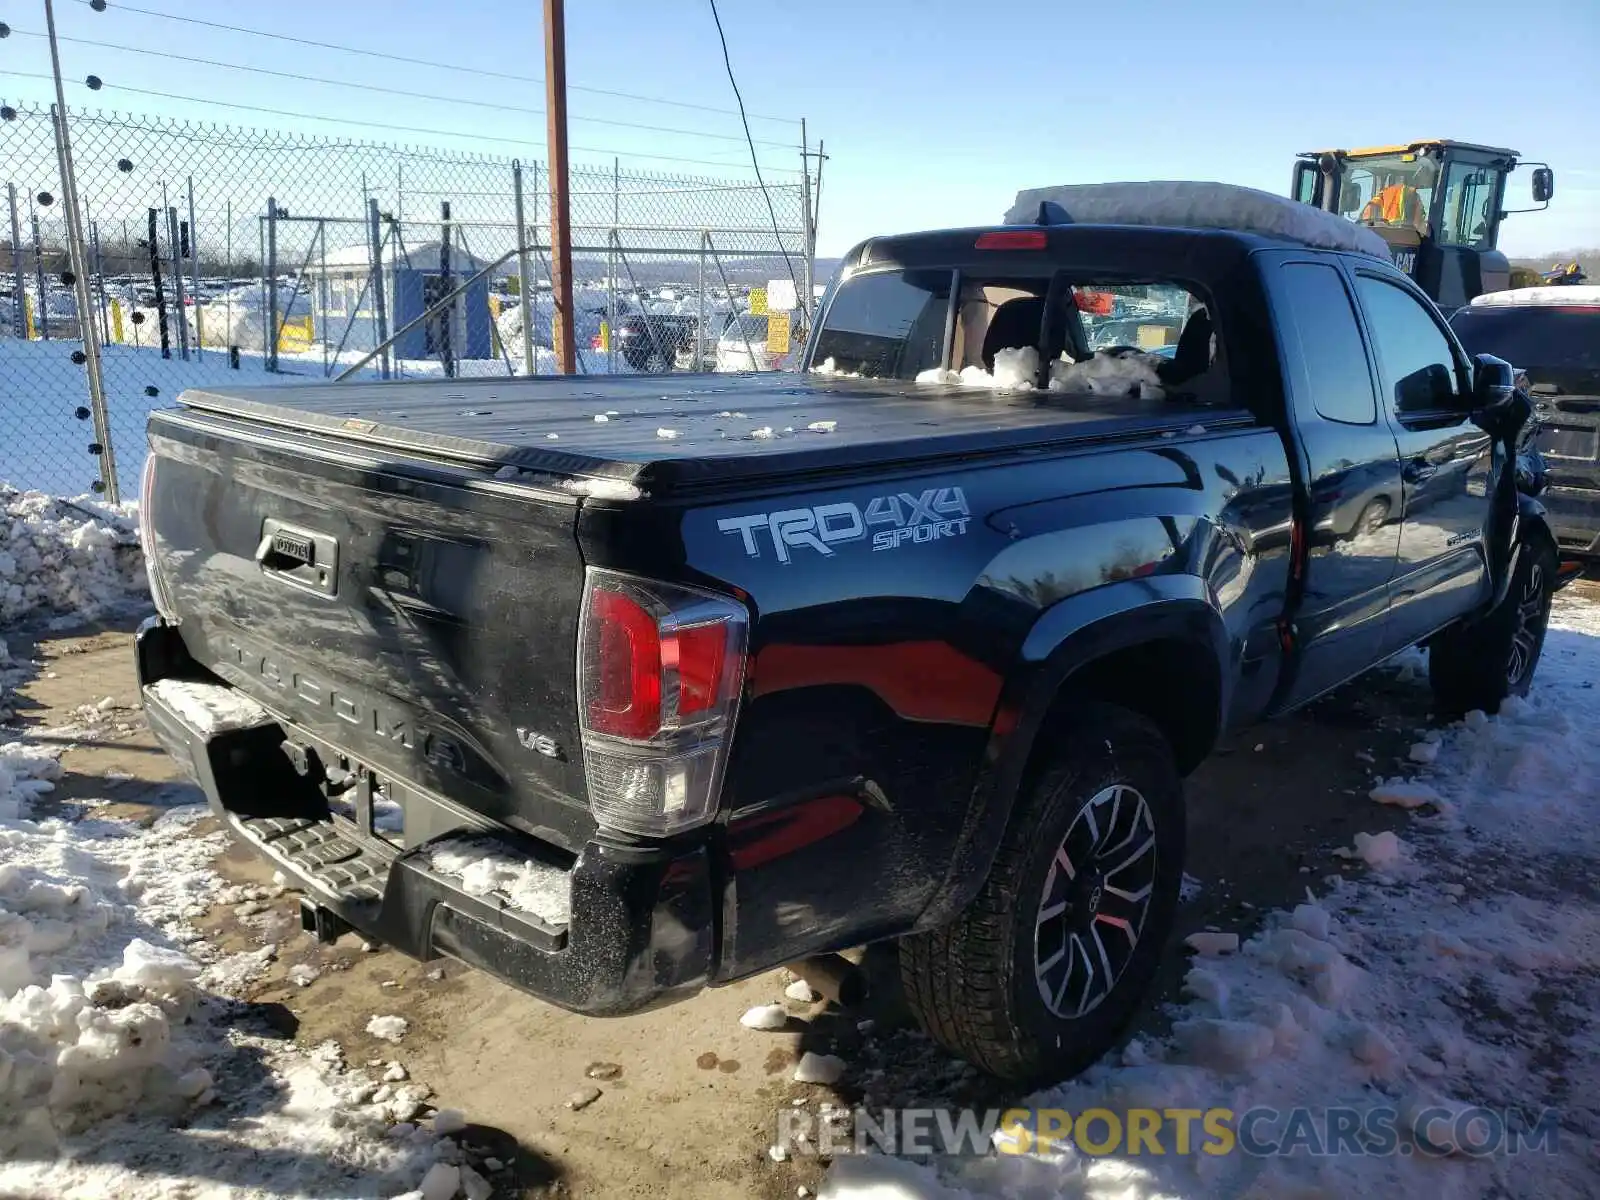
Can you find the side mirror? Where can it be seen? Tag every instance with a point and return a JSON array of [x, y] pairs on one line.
[[1544, 185], [1497, 406], [1494, 383]]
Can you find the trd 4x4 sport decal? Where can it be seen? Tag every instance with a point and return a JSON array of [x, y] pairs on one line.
[[891, 521]]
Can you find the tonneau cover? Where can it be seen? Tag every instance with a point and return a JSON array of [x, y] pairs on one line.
[[668, 433]]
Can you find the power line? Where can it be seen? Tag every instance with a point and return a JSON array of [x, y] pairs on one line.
[[424, 62], [409, 93], [449, 133], [755, 163]]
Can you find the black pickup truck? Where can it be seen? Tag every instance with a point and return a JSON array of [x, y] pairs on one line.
[[622, 688]]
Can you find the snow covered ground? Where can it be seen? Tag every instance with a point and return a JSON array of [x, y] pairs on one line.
[[127, 1066], [1461, 970], [125, 1069]]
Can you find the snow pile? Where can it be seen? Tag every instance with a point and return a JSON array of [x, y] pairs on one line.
[[67, 556], [210, 707], [1468, 981], [483, 866], [26, 772], [603, 489], [239, 319], [1015, 369], [119, 1073], [93, 1023], [390, 1029], [1187, 204], [1109, 375], [1565, 294], [828, 367], [765, 1016]]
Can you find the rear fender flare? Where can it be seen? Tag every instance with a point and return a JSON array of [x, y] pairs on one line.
[[1067, 637]]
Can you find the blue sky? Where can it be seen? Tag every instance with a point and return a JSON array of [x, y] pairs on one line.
[[933, 113]]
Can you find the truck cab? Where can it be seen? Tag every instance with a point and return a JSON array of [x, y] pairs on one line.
[[1438, 204]]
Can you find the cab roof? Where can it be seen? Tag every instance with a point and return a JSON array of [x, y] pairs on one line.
[[1414, 148]]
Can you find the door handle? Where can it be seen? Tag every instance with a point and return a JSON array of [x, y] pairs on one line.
[[1418, 470]]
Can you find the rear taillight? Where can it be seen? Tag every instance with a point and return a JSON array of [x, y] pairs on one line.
[[147, 541], [660, 668]]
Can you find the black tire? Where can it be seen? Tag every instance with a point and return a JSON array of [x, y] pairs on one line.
[[975, 985], [1478, 665]]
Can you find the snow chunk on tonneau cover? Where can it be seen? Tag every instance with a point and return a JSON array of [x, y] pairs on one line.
[[1194, 205], [486, 867]]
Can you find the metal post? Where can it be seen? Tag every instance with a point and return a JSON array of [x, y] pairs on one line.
[[227, 296], [524, 290], [80, 268], [446, 318], [535, 226], [555, 62], [19, 312], [816, 203], [100, 282], [700, 329], [613, 242], [155, 283], [175, 247], [269, 332], [805, 220], [194, 275], [38, 276], [322, 292], [380, 302]]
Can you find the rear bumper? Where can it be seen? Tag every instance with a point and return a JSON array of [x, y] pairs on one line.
[[1574, 517], [641, 929]]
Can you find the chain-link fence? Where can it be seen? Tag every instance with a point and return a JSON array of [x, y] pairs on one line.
[[219, 255]]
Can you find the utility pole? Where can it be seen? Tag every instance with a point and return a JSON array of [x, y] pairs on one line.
[[555, 72]]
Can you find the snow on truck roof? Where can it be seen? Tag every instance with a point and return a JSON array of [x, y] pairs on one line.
[[1574, 295], [1194, 205]]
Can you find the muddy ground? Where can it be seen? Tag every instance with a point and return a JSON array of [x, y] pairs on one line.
[[689, 1098]]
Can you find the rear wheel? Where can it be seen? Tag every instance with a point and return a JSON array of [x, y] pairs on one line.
[[1479, 665], [1047, 965]]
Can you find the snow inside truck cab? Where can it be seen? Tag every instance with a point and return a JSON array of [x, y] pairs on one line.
[[1070, 333]]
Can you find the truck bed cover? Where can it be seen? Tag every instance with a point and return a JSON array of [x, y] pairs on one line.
[[548, 425]]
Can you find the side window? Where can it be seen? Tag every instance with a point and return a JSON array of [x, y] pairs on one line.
[[886, 325], [1332, 363], [1415, 359], [1468, 202], [1305, 182]]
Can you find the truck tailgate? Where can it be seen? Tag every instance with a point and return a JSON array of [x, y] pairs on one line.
[[416, 616]]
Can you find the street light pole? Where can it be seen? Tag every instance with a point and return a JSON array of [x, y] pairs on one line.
[[555, 71]]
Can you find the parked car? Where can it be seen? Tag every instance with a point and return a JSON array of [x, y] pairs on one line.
[[768, 666], [1552, 335], [657, 343]]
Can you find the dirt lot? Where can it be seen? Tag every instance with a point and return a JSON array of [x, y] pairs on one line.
[[688, 1096]]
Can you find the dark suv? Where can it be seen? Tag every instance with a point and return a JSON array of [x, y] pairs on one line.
[[656, 343], [1552, 335]]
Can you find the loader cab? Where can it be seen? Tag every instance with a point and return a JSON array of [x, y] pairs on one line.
[[1438, 205]]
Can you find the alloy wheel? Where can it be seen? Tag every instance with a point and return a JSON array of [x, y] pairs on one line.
[[1096, 896], [1528, 627]]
